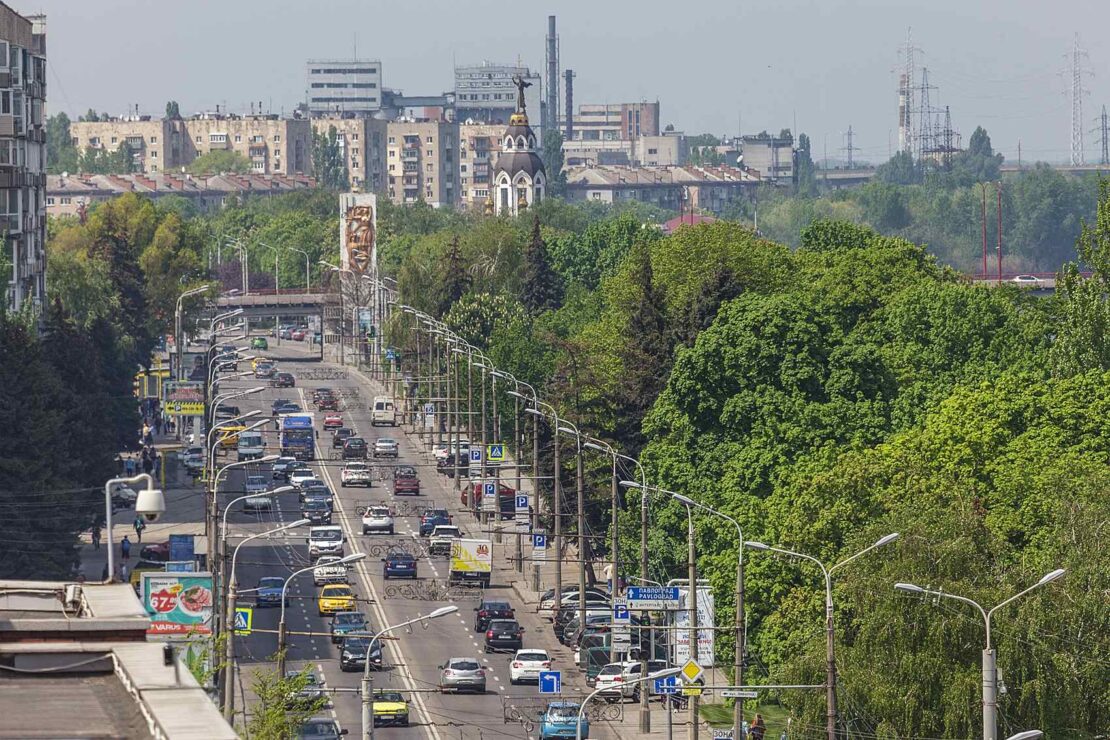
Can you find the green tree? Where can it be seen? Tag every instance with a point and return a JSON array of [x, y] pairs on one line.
[[62, 155], [552, 155], [329, 166], [884, 206], [173, 110], [541, 288], [456, 280], [104, 162], [901, 169], [805, 173], [219, 160], [275, 715]]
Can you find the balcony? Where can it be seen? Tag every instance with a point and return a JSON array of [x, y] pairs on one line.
[[410, 154]]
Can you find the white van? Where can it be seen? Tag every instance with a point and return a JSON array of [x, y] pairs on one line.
[[251, 445], [325, 540], [383, 412]]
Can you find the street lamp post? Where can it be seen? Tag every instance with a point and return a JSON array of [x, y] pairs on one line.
[[556, 507], [229, 667], [281, 621], [990, 668], [140, 478], [367, 682], [580, 486], [614, 537], [178, 339], [830, 654], [666, 673]]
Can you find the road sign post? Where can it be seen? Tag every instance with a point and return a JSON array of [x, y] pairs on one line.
[[551, 682]]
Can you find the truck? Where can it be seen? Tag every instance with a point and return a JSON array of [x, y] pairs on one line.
[[471, 562], [298, 438]]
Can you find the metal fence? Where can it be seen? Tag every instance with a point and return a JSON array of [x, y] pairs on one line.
[[526, 710]]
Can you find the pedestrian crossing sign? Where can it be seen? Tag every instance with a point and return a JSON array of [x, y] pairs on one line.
[[244, 620], [496, 453]]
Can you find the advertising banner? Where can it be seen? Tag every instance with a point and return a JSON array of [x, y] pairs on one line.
[[358, 235], [181, 547], [183, 398], [682, 621], [178, 603]]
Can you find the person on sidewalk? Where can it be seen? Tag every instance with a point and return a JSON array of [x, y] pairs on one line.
[[758, 729], [96, 536], [607, 574], [125, 548], [139, 526]]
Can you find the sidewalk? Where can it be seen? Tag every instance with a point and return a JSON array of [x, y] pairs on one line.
[[184, 515]]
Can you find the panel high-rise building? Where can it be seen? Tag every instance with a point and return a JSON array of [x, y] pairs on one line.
[[342, 86], [485, 93]]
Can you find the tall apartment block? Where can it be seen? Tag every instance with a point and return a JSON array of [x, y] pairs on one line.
[[479, 147], [23, 155], [362, 141], [421, 162], [341, 86], [485, 93]]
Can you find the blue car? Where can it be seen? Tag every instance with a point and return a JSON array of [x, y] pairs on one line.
[[399, 565], [431, 518], [269, 592], [561, 720]]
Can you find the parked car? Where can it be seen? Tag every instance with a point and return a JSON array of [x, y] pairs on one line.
[[489, 610], [611, 679], [297, 335], [354, 449], [398, 564], [344, 622], [570, 597], [352, 654], [158, 552], [386, 447], [527, 664], [283, 380], [341, 435], [405, 481], [462, 674], [504, 634], [377, 519], [431, 518], [268, 592], [560, 719]]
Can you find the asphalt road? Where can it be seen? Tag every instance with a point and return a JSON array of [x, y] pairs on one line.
[[411, 660]]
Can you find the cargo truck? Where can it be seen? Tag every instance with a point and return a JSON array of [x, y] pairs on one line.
[[471, 562]]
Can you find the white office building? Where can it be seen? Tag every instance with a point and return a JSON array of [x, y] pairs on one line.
[[341, 86]]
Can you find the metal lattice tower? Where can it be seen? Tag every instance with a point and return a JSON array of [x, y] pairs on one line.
[[925, 132], [906, 110], [849, 147], [1077, 92], [1104, 136]]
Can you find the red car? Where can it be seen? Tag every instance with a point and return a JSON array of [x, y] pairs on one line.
[[333, 421], [506, 499], [298, 335]]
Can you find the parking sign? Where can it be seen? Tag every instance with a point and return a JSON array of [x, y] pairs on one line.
[[475, 454]]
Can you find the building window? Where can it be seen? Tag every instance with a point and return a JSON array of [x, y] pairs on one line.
[[153, 139], [66, 201], [277, 137], [428, 152], [354, 151], [198, 139], [392, 140], [392, 167], [49, 200], [462, 168], [114, 140], [238, 138], [428, 140], [154, 154], [354, 137]]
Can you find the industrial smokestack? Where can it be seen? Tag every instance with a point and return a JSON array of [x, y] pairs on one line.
[[570, 105], [550, 117]]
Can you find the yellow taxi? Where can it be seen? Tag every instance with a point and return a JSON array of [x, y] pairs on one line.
[[336, 597], [229, 436], [390, 708]]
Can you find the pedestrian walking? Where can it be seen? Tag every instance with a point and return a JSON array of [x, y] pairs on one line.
[[607, 574], [759, 729], [148, 465], [139, 526], [96, 536], [123, 573], [125, 548]]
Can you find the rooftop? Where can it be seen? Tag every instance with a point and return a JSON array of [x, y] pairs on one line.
[[614, 176], [181, 184]]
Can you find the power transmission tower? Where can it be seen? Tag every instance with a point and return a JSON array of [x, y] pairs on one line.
[[1077, 93], [849, 148], [925, 133], [906, 109], [1103, 130]]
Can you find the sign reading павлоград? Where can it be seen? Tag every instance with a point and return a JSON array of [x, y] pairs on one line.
[[652, 597]]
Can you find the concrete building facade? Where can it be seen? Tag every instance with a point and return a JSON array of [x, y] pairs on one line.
[[479, 147], [773, 156], [23, 155], [156, 144], [362, 141], [421, 162], [673, 188], [485, 93], [334, 87], [614, 121]]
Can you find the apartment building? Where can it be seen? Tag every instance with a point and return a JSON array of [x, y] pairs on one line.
[[335, 87], [421, 162], [772, 156], [485, 93], [362, 141], [23, 155], [273, 145], [479, 147], [613, 121]]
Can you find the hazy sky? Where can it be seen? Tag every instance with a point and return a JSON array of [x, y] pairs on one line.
[[714, 65]]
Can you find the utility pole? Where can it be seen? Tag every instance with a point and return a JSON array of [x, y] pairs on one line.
[[849, 147], [692, 604], [983, 190], [583, 546], [1103, 130], [999, 187], [1077, 92]]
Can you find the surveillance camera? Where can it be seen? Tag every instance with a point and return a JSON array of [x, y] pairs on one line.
[[150, 504]]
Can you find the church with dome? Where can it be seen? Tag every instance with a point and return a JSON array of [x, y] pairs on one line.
[[519, 179]]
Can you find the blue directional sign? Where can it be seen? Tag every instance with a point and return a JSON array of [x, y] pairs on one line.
[[668, 685], [539, 541], [496, 453], [652, 597], [476, 454], [551, 682]]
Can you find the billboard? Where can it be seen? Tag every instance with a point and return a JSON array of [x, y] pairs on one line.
[[178, 603], [358, 232], [682, 622], [183, 398]]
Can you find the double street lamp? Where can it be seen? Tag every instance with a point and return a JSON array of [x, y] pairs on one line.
[[990, 668], [353, 558], [665, 673], [830, 655]]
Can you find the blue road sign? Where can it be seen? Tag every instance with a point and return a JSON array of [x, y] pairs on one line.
[[476, 454], [522, 502], [652, 597], [496, 453], [244, 620], [620, 613], [668, 685], [539, 541], [551, 682], [489, 489]]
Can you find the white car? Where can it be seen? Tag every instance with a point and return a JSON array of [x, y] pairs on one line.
[[193, 458], [611, 681], [1026, 279], [377, 519], [441, 451], [326, 571], [527, 664], [441, 539], [355, 474], [301, 476], [256, 484]]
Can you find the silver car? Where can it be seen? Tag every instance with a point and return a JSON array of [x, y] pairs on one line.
[[462, 674], [386, 447]]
